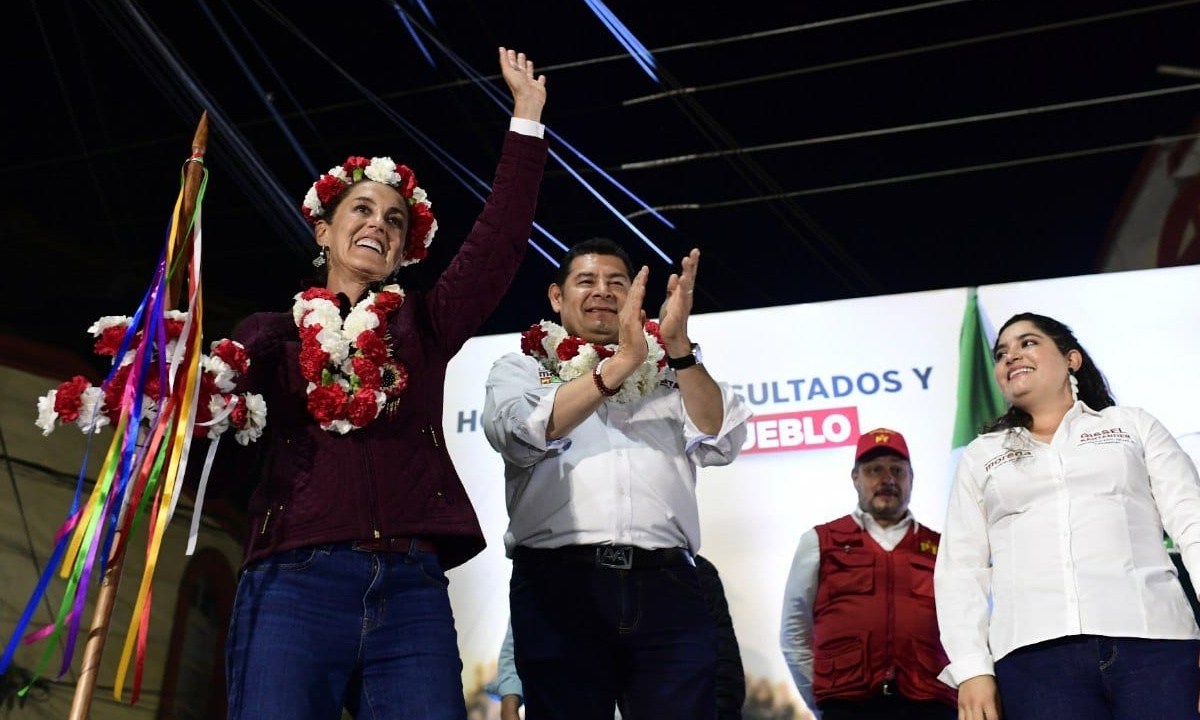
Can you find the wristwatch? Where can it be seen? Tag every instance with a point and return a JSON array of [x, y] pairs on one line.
[[685, 362]]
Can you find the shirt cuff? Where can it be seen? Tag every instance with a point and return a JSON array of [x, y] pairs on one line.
[[960, 671], [523, 126]]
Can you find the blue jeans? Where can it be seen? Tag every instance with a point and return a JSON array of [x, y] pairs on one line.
[[1088, 677], [321, 628], [586, 638]]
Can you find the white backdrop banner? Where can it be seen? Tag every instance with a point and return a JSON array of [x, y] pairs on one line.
[[816, 375]]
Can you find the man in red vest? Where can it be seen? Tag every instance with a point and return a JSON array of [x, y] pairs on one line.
[[859, 629]]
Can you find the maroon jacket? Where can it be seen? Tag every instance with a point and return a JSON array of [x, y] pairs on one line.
[[874, 618], [392, 477]]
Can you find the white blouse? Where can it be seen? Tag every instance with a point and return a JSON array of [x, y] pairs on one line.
[[1049, 540]]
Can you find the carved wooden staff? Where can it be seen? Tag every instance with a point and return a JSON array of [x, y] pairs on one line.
[[102, 614]]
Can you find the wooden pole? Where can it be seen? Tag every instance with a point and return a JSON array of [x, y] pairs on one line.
[[85, 686]]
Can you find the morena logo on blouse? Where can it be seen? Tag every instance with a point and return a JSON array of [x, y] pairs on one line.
[[807, 430]]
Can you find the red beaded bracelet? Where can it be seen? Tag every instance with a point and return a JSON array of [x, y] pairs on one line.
[[604, 389]]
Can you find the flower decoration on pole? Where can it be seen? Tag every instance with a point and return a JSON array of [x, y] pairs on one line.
[[217, 409], [160, 392]]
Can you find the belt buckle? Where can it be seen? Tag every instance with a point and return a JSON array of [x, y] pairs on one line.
[[616, 557]]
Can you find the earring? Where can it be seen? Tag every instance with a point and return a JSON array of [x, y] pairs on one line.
[[1074, 385], [322, 257]]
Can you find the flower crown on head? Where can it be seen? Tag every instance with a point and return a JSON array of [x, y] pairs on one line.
[[421, 223]]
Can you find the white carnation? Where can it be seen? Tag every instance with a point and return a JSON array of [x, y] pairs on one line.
[[382, 169], [46, 413], [90, 407], [312, 201], [98, 327], [360, 319], [256, 419], [334, 343]]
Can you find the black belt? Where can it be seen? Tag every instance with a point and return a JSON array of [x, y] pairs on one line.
[[614, 557]]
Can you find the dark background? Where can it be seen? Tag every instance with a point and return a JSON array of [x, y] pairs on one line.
[[103, 97]]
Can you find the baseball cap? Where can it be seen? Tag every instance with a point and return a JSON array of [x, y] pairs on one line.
[[881, 439]]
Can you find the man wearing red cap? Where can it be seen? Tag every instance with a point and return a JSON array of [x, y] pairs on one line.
[[859, 629]]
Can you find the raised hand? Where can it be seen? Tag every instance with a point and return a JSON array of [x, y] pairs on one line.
[[631, 322], [677, 307], [528, 91]]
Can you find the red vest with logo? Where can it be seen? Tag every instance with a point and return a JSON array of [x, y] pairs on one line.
[[874, 619]]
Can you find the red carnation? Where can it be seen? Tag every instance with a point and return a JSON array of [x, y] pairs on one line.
[[387, 301], [309, 333], [420, 220], [152, 386], [363, 408], [240, 414], [371, 346], [602, 351], [114, 390], [233, 353], [110, 339], [68, 399], [327, 403], [328, 188], [408, 180], [531, 341], [355, 162], [208, 385], [316, 292], [312, 362], [174, 328], [203, 415], [367, 371], [569, 347]]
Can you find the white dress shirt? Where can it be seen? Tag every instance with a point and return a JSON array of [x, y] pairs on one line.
[[1066, 538], [796, 625], [626, 475]]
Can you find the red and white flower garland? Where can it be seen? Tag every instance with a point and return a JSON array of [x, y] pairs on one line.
[[422, 225], [348, 365], [218, 407], [569, 357]]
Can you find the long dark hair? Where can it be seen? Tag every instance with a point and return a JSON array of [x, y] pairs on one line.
[[1093, 389]]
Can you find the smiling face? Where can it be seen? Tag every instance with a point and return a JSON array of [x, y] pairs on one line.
[[365, 236], [1030, 368], [588, 300], [884, 485]]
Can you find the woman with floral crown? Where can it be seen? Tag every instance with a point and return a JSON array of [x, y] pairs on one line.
[[1056, 598], [355, 508]]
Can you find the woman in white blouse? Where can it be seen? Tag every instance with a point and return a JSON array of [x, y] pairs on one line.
[[1056, 597]]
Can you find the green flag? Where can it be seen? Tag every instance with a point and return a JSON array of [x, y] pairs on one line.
[[979, 398]]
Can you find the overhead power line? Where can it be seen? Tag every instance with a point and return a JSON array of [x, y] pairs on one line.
[[908, 52], [896, 129], [620, 57], [897, 179]]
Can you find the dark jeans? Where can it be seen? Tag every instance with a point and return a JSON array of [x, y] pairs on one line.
[[585, 636], [892, 707], [320, 628], [1086, 677]]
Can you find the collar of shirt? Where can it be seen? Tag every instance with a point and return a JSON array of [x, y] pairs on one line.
[[887, 537], [1076, 410]]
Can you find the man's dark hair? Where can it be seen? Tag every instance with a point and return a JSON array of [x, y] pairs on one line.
[[593, 246]]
